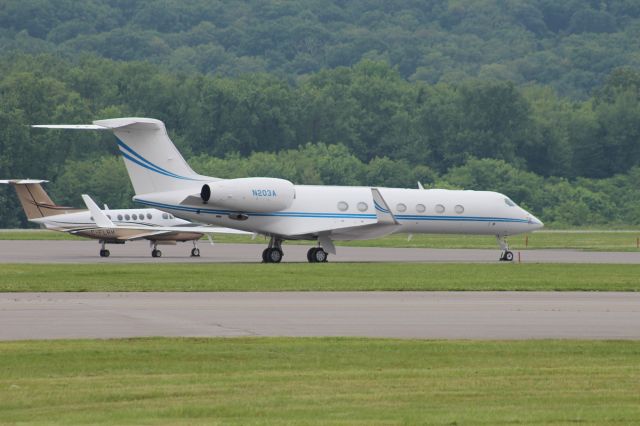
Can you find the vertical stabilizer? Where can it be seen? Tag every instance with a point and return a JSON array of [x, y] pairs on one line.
[[153, 162], [34, 199]]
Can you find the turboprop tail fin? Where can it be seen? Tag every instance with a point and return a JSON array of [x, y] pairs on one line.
[[153, 162], [35, 200]]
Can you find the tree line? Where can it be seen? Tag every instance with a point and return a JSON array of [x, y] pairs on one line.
[[570, 45], [572, 162]]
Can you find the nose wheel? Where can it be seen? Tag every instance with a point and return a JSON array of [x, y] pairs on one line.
[[505, 255], [317, 255], [156, 253]]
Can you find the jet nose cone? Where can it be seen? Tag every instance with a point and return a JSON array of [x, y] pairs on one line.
[[535, 223]]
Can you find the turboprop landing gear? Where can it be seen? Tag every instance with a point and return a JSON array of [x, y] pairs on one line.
[[273, 253], [195, 251], [155, 252], [505, 255], [103, 251], [317, 255]]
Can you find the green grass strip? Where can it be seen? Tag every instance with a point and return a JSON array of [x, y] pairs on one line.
[[319, 381], [318, 277]]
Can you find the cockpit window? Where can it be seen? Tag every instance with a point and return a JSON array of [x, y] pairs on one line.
[[509, 202]]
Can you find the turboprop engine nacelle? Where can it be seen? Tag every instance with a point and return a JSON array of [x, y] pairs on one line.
[[249, 194]]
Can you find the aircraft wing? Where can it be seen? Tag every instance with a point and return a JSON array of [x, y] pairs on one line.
[[102, 221]]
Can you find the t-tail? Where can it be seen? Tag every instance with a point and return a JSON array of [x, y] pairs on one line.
[[35, 200], [153, 162]]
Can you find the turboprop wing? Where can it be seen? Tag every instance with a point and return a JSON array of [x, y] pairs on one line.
[[102, 221]]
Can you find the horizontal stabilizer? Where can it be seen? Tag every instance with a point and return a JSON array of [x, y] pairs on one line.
[[22, 181], [70, 126]]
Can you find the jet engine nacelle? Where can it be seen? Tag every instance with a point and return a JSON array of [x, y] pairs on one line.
[[249, 194]]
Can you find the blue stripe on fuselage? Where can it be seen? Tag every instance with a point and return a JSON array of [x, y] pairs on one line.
[[319, 215]]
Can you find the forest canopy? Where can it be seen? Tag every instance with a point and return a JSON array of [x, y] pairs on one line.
[[537, 99]]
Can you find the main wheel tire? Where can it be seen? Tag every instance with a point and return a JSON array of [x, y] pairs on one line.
[[508, 256], [275, 255], [104, 253], [265, 255], [311, 254], [158, 253], [320, 256], [153, 253], [101, 253], [195, 252]]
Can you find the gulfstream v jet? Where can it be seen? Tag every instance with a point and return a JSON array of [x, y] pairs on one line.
[[283, 211]]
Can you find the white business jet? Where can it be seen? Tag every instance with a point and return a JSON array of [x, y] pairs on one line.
[[109, 226], [283, 211]]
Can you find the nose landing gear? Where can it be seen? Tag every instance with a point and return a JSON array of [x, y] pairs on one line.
[[195, 251], [505, 255]]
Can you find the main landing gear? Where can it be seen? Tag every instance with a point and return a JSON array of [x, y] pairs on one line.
[[505, 254], [317, 255], [273, 253], [103, 251], [155, 252]]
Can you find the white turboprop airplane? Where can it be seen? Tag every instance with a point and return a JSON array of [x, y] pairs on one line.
[[283, 211], [109, 226]]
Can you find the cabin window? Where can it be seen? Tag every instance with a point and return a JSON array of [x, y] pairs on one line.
[[149, 216], [420, 208], [91, 218], [134, 216], [171, 216], [439, 208], [362, 206], [127, 217], [119, 217], [401, 207], [343, 206], [509, 202], [165, 216], [459, 209]]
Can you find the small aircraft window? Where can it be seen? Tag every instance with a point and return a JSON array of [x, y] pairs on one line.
[[91, 218], [171, 216], [165, 216], [119, 217], [401, 207], [127, 217], [342, 206], [509, 202], [134, 216], [149, 216], [439, 208], [459, 209], [362, 206], [420, 208]]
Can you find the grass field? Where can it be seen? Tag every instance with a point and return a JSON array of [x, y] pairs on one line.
[[581, 240], [319, 381], [320, 277]]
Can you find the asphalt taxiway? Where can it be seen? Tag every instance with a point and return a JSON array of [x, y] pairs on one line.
[[47, 251], [425, 315]]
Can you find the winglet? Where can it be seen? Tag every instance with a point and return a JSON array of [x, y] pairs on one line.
[[98, 215], [382, 209], [420, 185]]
